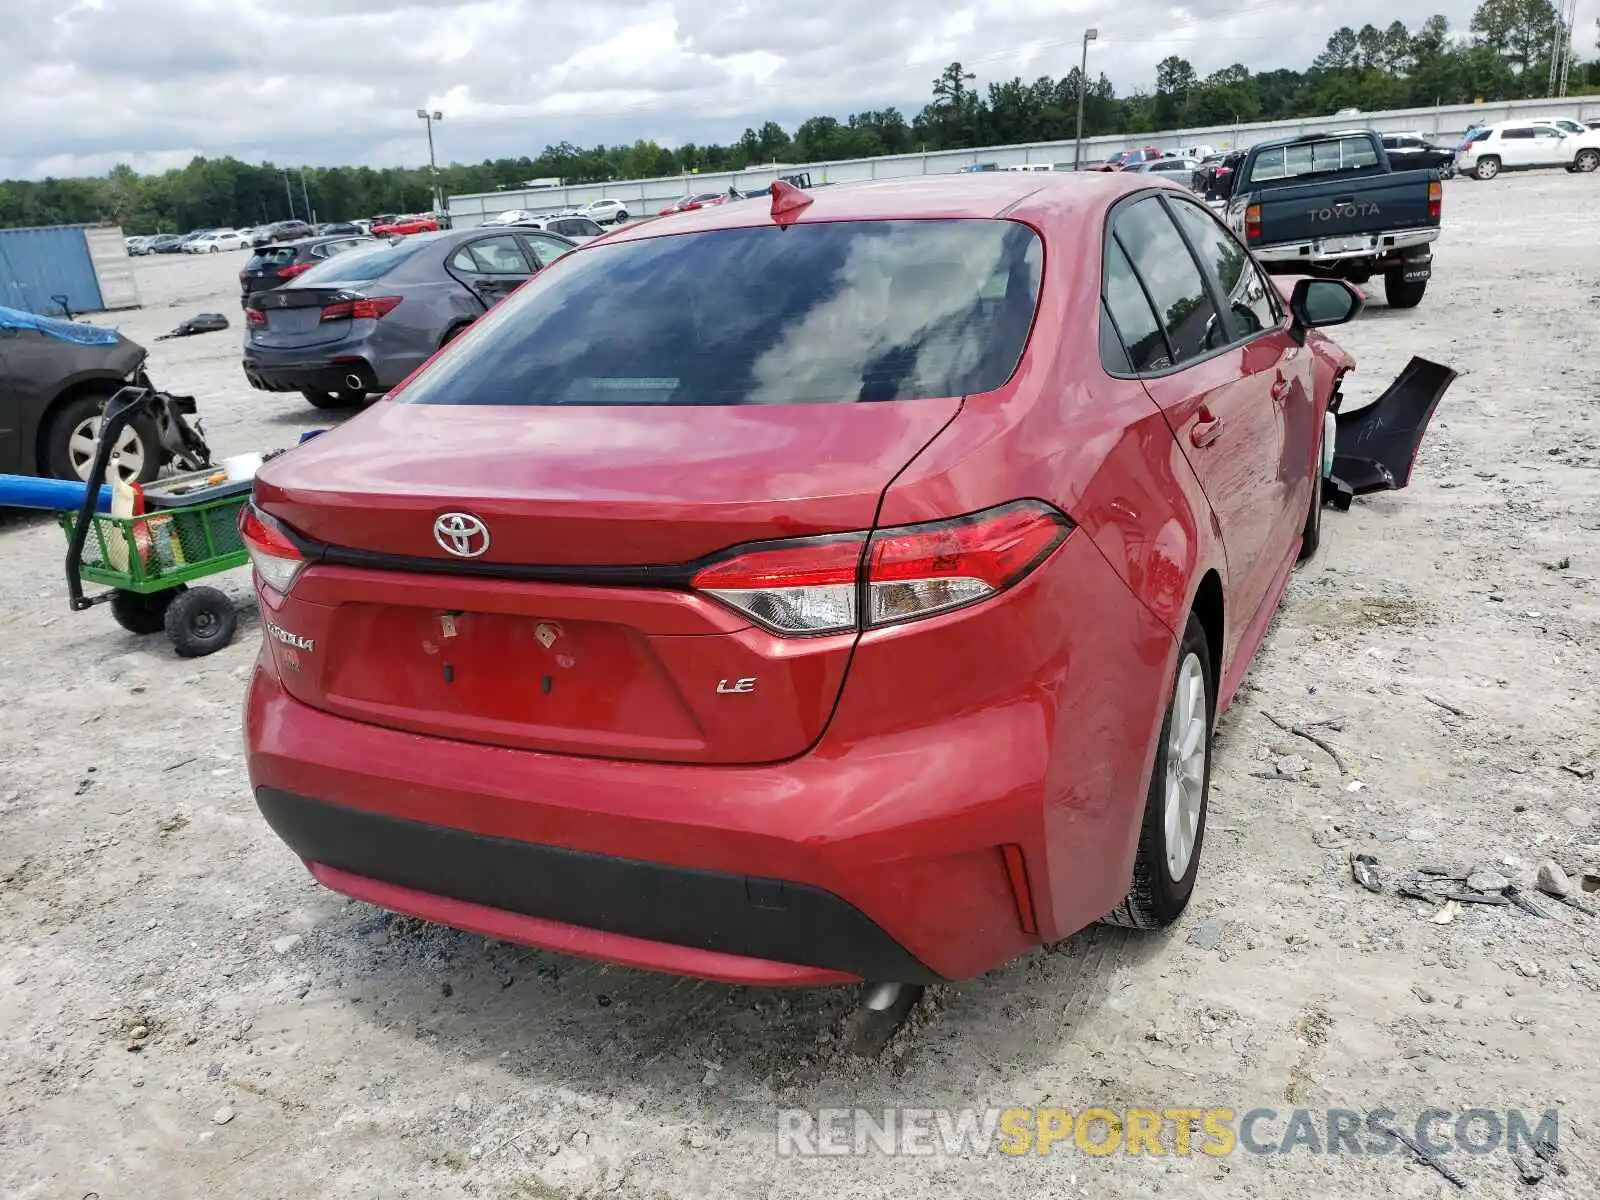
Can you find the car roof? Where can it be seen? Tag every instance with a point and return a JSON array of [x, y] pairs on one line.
[[978, 194]]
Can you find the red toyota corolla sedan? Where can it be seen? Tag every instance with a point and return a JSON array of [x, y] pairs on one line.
[[841, 588]]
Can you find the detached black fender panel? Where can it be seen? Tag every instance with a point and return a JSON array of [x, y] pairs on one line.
[[1374, 448]]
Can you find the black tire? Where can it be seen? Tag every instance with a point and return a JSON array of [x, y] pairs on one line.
[[201, 621], [331, 399], [452, 334], [1487, 168], [66, 418], [867, 1031], [1401, 293], [1311, 531], [622, 216], [1155, 899], [143, 614], [1588, 159]]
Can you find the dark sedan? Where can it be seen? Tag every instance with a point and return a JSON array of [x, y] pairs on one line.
[[274, 265], [1409, 151], [359, 323]]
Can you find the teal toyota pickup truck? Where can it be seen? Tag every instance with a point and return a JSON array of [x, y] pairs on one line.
[[1332, 204]]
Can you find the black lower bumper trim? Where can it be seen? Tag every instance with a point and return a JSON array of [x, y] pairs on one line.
[[751, 916], [329, 377]]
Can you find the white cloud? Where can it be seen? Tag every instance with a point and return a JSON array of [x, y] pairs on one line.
[[152, 82]]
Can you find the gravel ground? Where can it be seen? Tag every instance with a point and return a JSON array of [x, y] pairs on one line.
[[184, 1013]]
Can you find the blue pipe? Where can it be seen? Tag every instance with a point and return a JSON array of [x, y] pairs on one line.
[[56, 495]]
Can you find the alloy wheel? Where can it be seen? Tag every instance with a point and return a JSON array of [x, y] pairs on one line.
[[1186, 765], [127, 457]]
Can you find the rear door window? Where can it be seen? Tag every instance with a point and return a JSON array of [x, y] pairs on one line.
[[1171, 277], [833, 312], [1250, 299], [545, 250], [491, 256]]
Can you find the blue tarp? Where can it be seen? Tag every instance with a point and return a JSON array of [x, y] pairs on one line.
[[67, 331]]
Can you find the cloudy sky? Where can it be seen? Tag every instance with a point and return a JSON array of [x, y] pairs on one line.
[[86, 84]]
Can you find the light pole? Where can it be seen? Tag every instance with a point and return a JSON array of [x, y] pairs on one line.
[[1089, 35], [433, 167]]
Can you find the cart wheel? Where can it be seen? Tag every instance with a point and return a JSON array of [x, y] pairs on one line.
[[201, 621], [143, 613]]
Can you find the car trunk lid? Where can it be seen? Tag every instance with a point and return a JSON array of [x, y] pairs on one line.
[[571, 628], [301, 316]]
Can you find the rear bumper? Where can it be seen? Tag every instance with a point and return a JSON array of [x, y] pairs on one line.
[[594, 902], [317, 375], [978, 793], [788, 874], [1332, 250]]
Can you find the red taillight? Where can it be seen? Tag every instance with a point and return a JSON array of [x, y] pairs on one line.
[[370, 309], [923, 569], [804, 586], [817, 585], [293, 269], [1252, 223], [1435, 200], [255, 318], [276, 558]]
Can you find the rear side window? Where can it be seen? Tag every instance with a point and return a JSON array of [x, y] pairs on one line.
[[1176, 289], [1516, 134], [836, 312], [1129, 307]]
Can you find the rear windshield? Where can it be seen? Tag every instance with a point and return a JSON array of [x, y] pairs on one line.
[[1314, 158], [271, 256], [363, 265], [824, 313]]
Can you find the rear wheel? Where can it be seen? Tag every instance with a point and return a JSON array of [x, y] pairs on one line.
[[74, 433], [1488, 167], [622, 216], [1587, 160], [1400, 292], [1175, 806], [332, 399]]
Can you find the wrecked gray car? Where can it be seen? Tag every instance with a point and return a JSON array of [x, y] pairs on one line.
[[55, 379]]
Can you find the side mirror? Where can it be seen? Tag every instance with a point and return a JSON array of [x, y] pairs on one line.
[[1316, 303]]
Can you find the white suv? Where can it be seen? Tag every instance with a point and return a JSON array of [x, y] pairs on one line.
[[1516, 146], [605, 212]]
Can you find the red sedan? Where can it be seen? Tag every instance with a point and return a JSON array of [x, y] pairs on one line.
[[405, 226], [690, 203], [839, 589]]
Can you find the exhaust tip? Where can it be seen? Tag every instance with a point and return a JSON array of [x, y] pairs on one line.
[[355, 383]]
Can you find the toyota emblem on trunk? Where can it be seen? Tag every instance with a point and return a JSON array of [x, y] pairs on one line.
[[461, 534]]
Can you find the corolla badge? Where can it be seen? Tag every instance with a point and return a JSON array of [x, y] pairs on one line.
[[461, 534]]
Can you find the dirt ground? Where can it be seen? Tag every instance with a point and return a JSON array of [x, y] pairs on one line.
[[184, 1013]]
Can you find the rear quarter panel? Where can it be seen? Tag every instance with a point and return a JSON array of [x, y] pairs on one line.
[[1105, 645]]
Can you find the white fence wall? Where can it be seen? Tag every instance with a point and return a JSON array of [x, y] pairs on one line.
[[645, 197]]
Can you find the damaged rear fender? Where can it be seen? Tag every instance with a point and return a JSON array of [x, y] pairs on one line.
[[1376, 447]]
